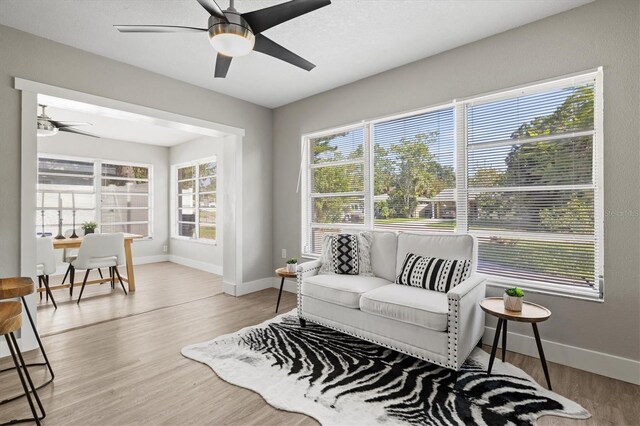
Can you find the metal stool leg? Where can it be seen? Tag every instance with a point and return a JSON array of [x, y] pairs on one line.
[[20, 366], [35, 364]]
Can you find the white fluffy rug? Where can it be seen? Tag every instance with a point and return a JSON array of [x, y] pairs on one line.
[[341, 380]]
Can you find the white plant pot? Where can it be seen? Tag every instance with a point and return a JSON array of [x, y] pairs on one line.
[[291, 267], [512, 303]]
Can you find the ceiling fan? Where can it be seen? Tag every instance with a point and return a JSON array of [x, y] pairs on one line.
[[49, 127], [236, 34]]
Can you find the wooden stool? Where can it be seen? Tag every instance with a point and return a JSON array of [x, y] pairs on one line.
[[20, 287], [10, 321]]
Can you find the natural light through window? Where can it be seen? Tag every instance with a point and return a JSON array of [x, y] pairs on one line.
[[520, 170], [196, 186], [115, 195]]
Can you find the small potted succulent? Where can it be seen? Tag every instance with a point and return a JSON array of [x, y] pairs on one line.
[[292, 264], [89, 227], [513, 298]]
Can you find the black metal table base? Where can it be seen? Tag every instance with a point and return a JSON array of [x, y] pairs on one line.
[[44, 355], [502, 326]]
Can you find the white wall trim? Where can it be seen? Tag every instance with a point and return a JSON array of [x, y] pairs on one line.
[[248, 287], [156, 258], [196, 264], [146, 114], [616, 367]]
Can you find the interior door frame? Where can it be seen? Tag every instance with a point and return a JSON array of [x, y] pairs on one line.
[[232, 138]]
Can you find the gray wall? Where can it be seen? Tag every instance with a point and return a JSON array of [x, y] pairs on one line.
[[602, 33], [190, 151], [110, 149], [33, 58]]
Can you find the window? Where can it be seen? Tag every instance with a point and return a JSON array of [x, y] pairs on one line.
[[124, 196], [521, 170], [196, 186], [63, 184], [115, 195]]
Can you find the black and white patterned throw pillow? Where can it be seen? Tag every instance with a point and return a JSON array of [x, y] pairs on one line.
[[432, 273], [344, 254]]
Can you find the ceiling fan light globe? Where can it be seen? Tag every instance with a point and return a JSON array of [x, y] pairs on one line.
[[231, 39]]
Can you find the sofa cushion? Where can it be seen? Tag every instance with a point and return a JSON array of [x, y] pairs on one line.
[[432, 273], [384, 245], [412, 305], [462, 247], [344, 290]]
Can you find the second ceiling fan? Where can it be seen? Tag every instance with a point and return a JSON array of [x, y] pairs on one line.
[[237, 34]]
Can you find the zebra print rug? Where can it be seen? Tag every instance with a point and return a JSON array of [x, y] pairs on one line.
[[342, 380]]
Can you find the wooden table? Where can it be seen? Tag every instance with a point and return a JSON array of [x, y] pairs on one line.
[[282, 272], [531, 313], [69, 243]]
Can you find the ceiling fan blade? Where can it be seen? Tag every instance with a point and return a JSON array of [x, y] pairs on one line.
[[271, 48], [157, 29], [222, 65], [61, 124], [78, 132], [263, 19], [212, 7]]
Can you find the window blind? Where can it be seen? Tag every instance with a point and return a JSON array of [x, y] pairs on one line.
[[337, 184], [414, 172], [531, 195]]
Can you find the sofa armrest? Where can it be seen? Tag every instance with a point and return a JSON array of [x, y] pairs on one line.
[[305, 270], [459, 291], [308, 269], [466, 318]]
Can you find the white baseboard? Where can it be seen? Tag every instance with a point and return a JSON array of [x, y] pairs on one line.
[[143, 260], [616, 367], [196, 264], [248, 287]]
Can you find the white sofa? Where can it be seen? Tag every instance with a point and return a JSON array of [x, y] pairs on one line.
[[442, 328]]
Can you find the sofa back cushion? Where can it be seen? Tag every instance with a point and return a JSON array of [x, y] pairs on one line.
[[384, 246], [461, 247]]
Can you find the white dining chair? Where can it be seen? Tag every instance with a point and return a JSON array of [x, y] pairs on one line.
[[45, 265], [101, 251]]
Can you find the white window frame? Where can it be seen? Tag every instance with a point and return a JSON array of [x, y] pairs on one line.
[[97, 184], [461, 153], [174, 200]]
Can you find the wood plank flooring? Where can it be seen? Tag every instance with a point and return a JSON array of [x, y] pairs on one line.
[[129, 371], [157, 285]]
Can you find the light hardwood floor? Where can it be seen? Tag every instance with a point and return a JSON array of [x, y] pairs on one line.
[[130, 371], [158, 285]]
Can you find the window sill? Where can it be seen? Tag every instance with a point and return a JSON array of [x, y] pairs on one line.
[[196, 240], [547, 289]]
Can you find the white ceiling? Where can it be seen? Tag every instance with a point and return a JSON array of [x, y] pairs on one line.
[[347, 40], [113, 124]]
